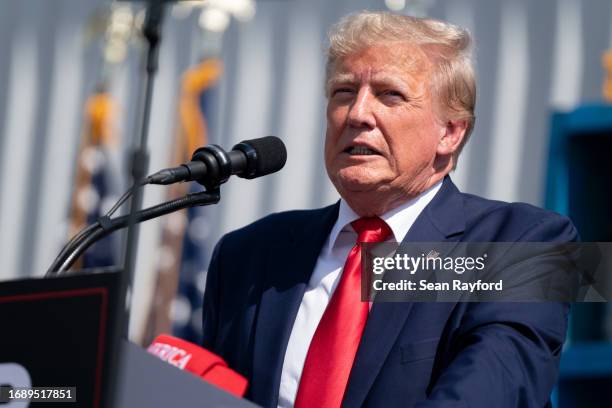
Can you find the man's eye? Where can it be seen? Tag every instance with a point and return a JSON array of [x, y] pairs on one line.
[[392, 93], [342, 91]]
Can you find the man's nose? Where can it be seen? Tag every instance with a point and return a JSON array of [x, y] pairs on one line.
[[360, 113]]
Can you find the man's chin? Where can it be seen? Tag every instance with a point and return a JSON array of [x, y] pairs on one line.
[[366, 199], [358, 185]]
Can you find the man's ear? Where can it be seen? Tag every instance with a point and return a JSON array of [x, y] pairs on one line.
[[453, 135]]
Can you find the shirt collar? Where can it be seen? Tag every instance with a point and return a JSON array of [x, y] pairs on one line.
[[399, 219]]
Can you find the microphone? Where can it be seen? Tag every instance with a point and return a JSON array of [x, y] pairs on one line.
[[201, 362], [211, 166]]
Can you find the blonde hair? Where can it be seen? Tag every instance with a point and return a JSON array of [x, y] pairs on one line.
[[448, 47]]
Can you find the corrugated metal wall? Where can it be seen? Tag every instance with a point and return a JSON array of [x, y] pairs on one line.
[[532, 56]]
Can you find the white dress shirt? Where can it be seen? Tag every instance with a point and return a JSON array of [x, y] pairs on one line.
[[325, 278]]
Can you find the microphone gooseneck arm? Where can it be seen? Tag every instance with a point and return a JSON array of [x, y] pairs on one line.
[[105, 225], [210, 166]]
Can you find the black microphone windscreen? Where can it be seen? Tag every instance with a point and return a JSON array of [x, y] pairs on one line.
[[271, 154]]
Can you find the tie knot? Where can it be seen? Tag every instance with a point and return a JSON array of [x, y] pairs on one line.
[[371, 229]]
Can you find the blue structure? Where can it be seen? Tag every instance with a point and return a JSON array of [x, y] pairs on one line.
[[579, 186]]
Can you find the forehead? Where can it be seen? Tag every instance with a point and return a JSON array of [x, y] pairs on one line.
[[400, 60]]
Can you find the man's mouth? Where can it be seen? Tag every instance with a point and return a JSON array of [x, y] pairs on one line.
[[360, 151]]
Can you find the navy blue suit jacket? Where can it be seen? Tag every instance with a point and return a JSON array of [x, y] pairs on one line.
[[411, 354]]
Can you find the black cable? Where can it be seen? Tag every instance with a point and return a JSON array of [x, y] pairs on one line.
[[68, 247], [87, 230], [81, 247], [95, 231], [127, 195]]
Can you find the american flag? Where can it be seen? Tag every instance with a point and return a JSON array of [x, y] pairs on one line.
[[96, 182], [183, 255]]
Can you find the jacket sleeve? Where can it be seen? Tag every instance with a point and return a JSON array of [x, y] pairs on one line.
[[506, 354]]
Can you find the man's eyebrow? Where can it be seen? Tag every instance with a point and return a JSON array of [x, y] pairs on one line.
[[342, 77], [388, 80], [383, 79]]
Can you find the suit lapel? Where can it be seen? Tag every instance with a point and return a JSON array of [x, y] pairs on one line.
[[290, 265], [442, 220]]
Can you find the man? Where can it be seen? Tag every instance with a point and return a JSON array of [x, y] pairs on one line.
[[282, 302]]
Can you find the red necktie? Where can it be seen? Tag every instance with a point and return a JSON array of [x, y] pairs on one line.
[[334, 344]]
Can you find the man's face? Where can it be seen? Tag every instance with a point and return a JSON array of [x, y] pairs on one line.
[[382, 131]]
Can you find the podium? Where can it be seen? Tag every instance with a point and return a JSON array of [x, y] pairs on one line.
[[164, 385], [66, 332]]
